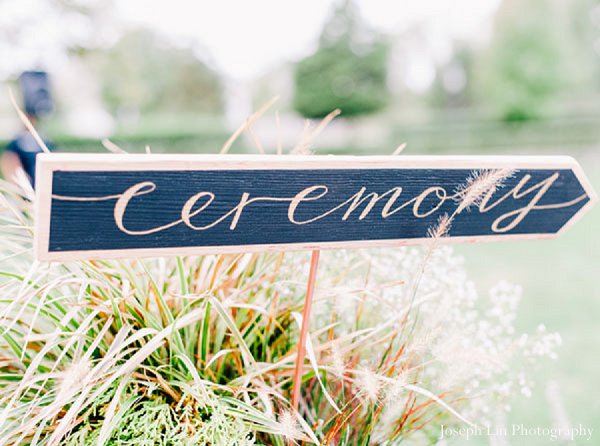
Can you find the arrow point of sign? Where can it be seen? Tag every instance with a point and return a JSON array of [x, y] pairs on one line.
[[586, 185]]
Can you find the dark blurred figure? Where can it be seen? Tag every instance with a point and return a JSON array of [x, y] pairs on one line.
[[21, 152]]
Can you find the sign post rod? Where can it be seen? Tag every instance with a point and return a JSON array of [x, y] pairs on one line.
[[312, 275]]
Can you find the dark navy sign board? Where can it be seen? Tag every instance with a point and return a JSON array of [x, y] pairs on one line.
[[98, 206]]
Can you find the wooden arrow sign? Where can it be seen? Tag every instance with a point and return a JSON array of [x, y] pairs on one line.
[[106, 206]]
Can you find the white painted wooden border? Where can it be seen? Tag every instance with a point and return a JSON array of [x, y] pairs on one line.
[[49, 163]]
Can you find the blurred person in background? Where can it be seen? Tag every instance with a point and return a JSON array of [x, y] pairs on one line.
[[20, 154]]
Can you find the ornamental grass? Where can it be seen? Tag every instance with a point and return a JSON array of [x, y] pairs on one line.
[[200, 350]]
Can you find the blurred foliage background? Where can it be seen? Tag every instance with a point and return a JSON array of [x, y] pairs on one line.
[[532, 71]]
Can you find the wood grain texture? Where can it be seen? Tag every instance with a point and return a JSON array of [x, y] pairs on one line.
[[243, 203]]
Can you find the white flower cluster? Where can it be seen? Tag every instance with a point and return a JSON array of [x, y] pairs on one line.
[[457, 342]]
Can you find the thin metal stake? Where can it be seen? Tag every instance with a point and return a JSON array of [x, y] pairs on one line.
[[312, 275]]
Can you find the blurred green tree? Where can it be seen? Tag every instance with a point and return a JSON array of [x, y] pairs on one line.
[[348, 71], [145, 73]]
